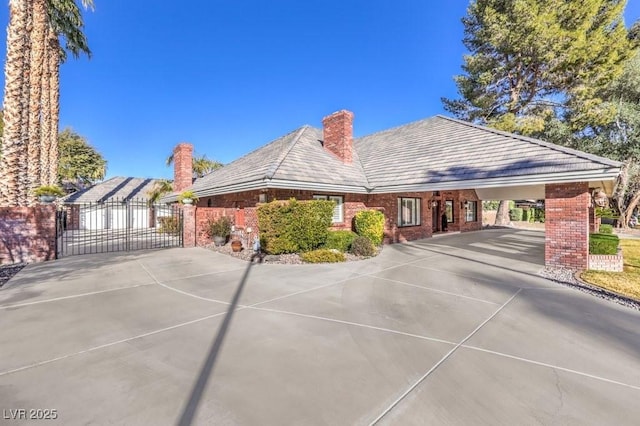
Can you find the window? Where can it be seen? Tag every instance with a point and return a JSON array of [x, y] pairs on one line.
[[472, 211], [337, 210], [408, 211], [449, 210]]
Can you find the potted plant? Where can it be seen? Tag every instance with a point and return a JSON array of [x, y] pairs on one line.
[[219, 230], [187, 197], [48, 193]]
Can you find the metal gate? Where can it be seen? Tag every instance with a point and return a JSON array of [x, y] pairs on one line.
[[117, 225]]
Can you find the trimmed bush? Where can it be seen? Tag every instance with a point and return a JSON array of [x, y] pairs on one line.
[[370, 224], [539, 217], [515, 215], [323, 256], [362, 246], [606, 229], [293, 226], [603, 244], [339, 240]]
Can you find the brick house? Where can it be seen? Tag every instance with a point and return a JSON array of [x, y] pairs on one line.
[[415, 174]]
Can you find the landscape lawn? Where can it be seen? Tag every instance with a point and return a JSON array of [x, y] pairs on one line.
[[627, 282]]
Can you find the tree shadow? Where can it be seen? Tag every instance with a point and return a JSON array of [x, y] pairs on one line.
[[191, 407]]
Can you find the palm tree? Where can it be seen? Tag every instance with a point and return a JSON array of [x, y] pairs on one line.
[[13, 164], [66, 21], [160, 188], [201, 165], [32, 92]]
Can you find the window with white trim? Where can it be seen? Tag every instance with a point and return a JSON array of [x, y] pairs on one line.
[[408, 211], [472, 211], [338, 216]]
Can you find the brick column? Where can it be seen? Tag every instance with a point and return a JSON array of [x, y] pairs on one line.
[[188, 225], [594, 221], [567, 225]]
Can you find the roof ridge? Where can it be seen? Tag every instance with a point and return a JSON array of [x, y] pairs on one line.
[[550, 145], [272, 171]]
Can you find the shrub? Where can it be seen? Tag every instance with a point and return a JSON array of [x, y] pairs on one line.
[[532, 214], [323, 256], [525, 214], [362, 246], [515, 214], [187, 195], [169, 225], [539, 215], [606, 229], [339, 240], [220, 227], [52, 190], [370, 224], [293, 226], [603, 244]]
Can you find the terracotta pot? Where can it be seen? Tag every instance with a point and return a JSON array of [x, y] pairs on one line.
[[236, 245]]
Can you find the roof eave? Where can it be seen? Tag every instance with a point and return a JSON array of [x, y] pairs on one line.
[[546, 178]]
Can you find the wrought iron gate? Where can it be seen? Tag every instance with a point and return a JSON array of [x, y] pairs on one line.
[[116, 225]]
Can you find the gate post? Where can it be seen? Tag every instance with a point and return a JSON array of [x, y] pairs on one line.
[[188, 225], [566, 242]]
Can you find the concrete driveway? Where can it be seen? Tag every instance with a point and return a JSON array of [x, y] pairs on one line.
[[452, 330]]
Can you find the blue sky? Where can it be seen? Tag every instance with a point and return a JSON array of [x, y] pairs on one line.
[[230, 76]]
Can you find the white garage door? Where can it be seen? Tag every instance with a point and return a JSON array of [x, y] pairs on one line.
[[92, 217]]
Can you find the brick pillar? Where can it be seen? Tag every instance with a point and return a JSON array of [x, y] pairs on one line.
[[338, 134], [188, 225], [182, 166], [567, 225]]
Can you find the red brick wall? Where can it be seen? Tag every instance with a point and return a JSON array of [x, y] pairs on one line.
[[27, 234], [338, 134], [202, 218], [353, 203], [182, 166], [567, 225]]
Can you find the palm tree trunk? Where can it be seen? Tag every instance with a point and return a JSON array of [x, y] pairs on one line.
[[36, 65], [502, 216], [45, 106], [13, 176], [54, 99]]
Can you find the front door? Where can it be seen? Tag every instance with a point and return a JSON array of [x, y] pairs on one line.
[[435, 212]]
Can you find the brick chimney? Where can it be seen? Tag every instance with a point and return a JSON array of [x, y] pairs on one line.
[[338, 134], [182, 166]]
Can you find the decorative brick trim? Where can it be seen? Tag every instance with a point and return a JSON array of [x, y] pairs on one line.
[[607, 262]]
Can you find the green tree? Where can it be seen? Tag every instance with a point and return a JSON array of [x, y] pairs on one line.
[[160, 188], [536, 66], [80, 164], [529, 59]]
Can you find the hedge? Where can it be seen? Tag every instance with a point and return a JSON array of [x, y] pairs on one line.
[[539, 215], [370, 224], [340, 240], [605, 229], [293, 226], [515, 214], [525, 214], [323, 256], [603, 244]]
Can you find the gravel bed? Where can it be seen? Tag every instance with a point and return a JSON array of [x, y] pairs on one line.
[[282, 259], [7, 272], [569, 279]]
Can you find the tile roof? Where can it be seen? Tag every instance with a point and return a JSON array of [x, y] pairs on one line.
[[434, 153], [119, 187]]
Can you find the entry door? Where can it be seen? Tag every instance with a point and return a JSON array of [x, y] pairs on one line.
[[435, 212]]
